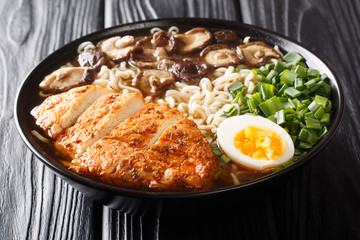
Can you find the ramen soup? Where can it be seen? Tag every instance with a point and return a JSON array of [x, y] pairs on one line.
[[182, 111]]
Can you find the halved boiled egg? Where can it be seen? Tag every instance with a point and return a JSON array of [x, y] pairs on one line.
[[255, 142]]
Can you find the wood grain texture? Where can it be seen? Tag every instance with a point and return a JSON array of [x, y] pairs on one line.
[[34, 204], [319, 201], [326, 192], [126, 11]]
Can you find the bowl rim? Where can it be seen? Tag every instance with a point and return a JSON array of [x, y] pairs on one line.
[[136, 193]]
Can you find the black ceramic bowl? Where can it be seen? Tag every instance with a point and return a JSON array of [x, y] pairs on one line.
[[161, 203]]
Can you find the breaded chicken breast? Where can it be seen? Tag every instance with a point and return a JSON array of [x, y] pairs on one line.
[[60, 111], [181, 159], [136, 133], [98, 121]]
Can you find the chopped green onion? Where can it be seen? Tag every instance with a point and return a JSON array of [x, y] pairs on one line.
[[279, 67], [256, 72], [322, 101], [282, 89], [280, 117], [309, 115], [292, 92], [288, 163], [276, 169], [301, 71], [257, 98], [297, 152], [312, 138], [312, 123], [319, 113], [217, 175], [269, 66], [292, 57], [288, 77], [323, 131], [237, 98], [216, 150], [225, 158], [299, 84], [323, 89], [241, 96], [312, 73], [272, 118], [310, 83], [233, 112], [328, 106], [244, 109], [227, 108], [313, 107], [325, 119], [251, 104], [307, 101], [271, 74], [271, 106], [292, 103], [303, 134], [236, 70], [267, 91], [236, 87], [286, 104], [304, 145]]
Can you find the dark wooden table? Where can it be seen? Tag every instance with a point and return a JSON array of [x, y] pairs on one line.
[[319, 201]]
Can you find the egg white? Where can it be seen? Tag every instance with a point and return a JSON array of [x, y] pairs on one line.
[[231, 126]]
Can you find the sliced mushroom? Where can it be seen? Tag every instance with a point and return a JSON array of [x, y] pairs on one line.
[[255, 54], [191, 72], [118, 48], [159, 39], [165, 64], [91, 58], [219, 55], [193, 40], [228, 37], [63, 79], [153, 82], [148, 58]]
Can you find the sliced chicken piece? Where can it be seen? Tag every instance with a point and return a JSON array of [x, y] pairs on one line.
[[98, 121], [60, 111], [181, 159], [138, 132]]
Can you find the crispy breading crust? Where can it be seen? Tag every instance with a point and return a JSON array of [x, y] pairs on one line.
[[138, 132], [181, 159], [60, 111]]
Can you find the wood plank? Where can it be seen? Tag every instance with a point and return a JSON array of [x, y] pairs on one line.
[[126, 11], [34, 203], [325, 192]]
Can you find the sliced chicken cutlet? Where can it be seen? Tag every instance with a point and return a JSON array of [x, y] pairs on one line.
[[97, 121], [181, 159], [136, 133], [60, 111]]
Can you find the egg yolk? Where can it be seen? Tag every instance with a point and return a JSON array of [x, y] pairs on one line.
[[259, 143]]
